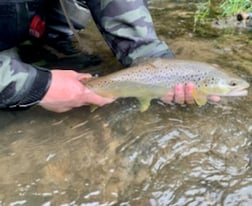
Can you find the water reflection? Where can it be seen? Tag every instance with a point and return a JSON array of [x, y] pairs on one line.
[[168, 155]]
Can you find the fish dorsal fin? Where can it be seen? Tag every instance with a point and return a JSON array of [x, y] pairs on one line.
[[199, 97]]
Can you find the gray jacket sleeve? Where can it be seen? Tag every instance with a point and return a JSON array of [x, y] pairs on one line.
[[21, 85], [128, 29]]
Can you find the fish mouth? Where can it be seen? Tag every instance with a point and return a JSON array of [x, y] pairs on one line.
[[242, 92]]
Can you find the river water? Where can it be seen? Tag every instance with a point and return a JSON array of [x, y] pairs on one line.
[[169, 155]]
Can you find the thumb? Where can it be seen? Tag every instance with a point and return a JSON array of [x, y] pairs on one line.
[[83, 76]]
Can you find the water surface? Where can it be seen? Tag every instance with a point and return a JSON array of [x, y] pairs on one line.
[[168, 155]]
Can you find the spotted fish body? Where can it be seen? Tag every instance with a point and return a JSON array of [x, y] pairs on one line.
[[155, 78]]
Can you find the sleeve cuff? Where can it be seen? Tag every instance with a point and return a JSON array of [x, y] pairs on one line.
[[38, 90]]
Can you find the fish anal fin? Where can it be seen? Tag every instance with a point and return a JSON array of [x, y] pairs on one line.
[[199, 97], [144, 104]]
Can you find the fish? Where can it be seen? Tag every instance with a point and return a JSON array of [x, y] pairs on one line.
[[154, 78]]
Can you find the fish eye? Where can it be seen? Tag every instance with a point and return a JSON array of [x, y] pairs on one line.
[[233, 83]]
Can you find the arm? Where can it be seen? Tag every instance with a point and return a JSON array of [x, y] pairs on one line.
[[23, 85]]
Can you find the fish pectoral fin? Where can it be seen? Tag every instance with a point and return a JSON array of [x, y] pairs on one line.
[[144, 104], [199, 97]]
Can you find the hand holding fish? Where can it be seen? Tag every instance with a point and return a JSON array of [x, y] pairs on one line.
[[67, 92], [183, 94]]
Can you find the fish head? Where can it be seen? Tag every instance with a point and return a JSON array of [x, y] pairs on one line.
[[224, 85]]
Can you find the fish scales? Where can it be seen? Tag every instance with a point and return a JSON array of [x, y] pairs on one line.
[[163, 71], [155, 78]]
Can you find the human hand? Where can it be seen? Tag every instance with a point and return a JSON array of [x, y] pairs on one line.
[[183, 94], [67, 92]]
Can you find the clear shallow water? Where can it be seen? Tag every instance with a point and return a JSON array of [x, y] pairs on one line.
[[168, 155]]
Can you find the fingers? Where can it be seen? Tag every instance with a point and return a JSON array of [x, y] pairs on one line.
[[179, 94], [168, 98], [189, 88], [93, 98], [183, 94], [83, 76], [104, 101], [74, 74], [100, 101], [214, 98]]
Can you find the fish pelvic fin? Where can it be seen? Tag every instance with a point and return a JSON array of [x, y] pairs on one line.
[[93, 107], [144, 104], [199, 97]]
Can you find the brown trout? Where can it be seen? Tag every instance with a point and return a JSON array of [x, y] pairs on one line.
[[153, 79]]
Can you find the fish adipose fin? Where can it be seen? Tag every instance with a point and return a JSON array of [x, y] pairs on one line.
[[199, 97]]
